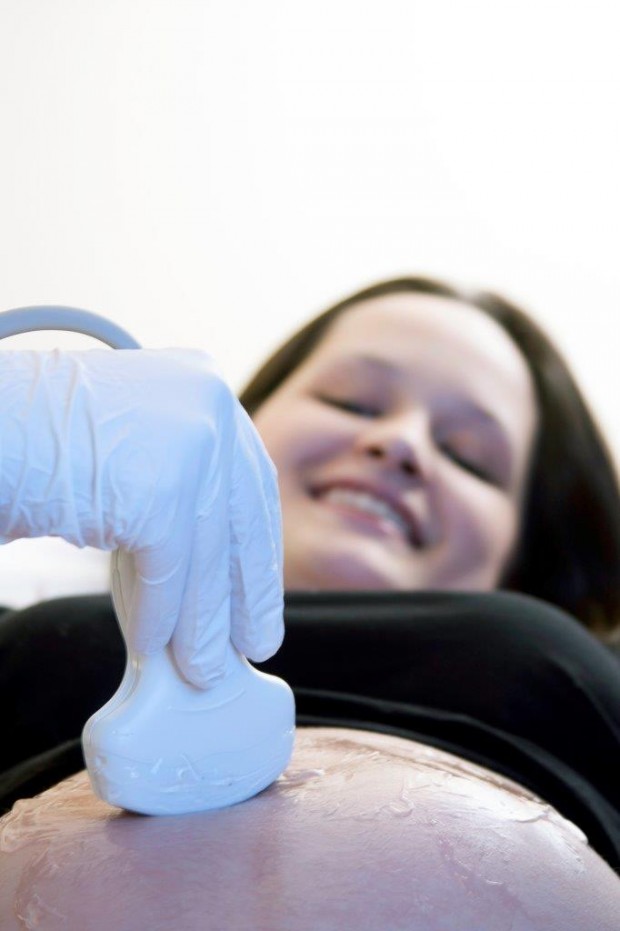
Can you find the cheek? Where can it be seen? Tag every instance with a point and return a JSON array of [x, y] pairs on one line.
[[299, 436], [481, 527], [279, 432]]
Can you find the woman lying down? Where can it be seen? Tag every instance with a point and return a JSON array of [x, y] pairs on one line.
[[448, 560]]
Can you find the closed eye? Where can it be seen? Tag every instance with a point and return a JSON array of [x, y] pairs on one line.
[[470, 465], [358, 408]]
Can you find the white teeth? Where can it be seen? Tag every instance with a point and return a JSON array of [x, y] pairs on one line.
[[363, 501]]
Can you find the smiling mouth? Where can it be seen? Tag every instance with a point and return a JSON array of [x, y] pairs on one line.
[[371, 509]]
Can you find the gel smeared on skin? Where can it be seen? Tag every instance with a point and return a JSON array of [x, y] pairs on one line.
[[325, 846]]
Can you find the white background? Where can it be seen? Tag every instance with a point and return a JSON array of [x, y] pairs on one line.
[[210, 174]]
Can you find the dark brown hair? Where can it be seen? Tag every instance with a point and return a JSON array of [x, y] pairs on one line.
[[569, 550]]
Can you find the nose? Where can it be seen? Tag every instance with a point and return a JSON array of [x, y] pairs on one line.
[[402, 441]]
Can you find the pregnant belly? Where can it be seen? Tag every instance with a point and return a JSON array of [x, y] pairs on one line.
[[363, 830]]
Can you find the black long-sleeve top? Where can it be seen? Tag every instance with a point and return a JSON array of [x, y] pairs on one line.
[[503, 680]]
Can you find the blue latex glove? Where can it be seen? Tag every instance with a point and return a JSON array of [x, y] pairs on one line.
[[150, 453]]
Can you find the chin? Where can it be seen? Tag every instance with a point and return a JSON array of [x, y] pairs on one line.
[[327, 571]]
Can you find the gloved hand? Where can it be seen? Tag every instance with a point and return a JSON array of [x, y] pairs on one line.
[[148, 451]]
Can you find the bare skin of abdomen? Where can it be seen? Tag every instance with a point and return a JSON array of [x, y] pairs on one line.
[[363, 830]]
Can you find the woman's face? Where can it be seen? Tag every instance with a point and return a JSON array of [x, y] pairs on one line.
[[402, 445]]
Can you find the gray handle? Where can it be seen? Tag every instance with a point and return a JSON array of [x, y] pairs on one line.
[[53, 317]]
